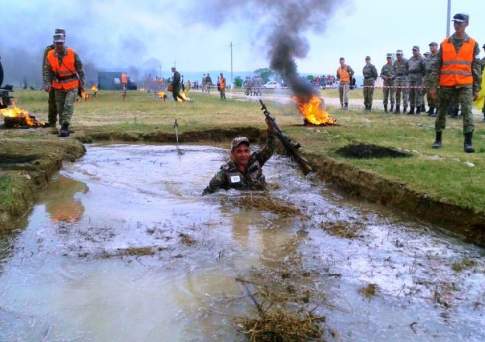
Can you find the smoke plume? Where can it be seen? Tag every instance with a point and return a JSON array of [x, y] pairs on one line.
[[283, 25]]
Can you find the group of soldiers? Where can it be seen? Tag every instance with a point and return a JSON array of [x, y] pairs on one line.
[[449, 75]]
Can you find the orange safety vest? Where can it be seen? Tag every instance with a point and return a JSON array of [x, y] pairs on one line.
[[66, 77], [124, 78], [456, 67], [344, 75], [222, 83]]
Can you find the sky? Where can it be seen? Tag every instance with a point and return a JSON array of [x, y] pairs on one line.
[[154, 35]]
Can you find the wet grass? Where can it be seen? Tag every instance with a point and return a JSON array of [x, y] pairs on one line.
[[369, 291], [463, 264], [447, 174]]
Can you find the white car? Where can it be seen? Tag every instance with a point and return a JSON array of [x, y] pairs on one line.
[[272, 85]]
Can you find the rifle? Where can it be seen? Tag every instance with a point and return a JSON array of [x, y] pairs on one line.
[[291, 147]]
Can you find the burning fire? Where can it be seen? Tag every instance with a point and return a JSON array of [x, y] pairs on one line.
[[313, 111], [15, 117]]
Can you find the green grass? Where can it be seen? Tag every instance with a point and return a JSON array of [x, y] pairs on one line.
[[441, 173], [5, 191]]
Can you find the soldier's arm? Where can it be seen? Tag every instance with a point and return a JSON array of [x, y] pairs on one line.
[[338, 75], [476, 71], [374, 72], [351, 71], [217, 182], [267, 151], [46, 75], [435, 71], [79, 69]]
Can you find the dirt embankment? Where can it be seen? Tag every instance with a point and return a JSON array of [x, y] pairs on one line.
[[26, 165]]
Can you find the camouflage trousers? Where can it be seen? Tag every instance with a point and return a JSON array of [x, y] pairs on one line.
[[432, 101], [389, 93], [52, 107], [464, 96], [65, 104], [401, 85], [415, 92], [368, 93]]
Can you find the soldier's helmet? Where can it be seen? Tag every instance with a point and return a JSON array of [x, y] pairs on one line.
[[389, 55], [60, 31], [461, 18]]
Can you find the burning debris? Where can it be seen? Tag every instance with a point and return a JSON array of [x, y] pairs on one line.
[[15, 117], [313, 111]]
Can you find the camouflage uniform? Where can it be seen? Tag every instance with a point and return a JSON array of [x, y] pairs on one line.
[[370, 75], [64, 99], [464, 94], [430, 69], [387, 74], [229, 177], [401, 83], [416, 70], [52, 99]]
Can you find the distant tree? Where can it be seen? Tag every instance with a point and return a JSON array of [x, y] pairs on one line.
[[264, 73], [238, 82]]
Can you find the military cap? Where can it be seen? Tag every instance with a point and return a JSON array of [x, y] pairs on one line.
[[389, 55], [59, 38], [415, 47], [238, 141], [367, 57], [60, 31], [433, 44], [399, 52], [460, 18]]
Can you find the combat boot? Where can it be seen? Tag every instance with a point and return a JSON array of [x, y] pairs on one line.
[[437, 141], [398, 110], [385, 108], [346, 106], [392, 107], [405, 109], [64, 132], [411, 110], [419, 110], [468, 145], [430, 111]]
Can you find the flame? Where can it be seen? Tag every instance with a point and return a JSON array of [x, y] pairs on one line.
[[21, 117], [313, 110], [94, 88]]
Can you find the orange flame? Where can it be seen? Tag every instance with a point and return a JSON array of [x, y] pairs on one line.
[[20, 117], [313, 110]]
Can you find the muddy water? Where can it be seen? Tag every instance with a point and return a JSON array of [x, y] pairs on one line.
[[122, 247]]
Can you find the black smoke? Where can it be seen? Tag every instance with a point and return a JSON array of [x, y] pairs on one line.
[[282, 24]]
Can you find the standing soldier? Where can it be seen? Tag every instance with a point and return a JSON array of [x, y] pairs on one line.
[[430, 66], [387, 74], [45, 70], [344, 75], [370, 75], [416, 71], [221, 86], [458, 72], [64, 73], [176, 84], [124, 85], [400, 69], [483, 68]]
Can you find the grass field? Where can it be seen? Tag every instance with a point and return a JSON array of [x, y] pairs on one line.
[[444, 174]]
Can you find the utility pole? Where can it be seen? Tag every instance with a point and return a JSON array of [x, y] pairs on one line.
[[232, 81], [448, 19]]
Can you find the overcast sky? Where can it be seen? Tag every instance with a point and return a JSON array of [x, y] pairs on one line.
[[119, 33]]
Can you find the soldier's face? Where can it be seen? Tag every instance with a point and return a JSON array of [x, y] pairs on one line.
[[415, 53], [433, 49], [59, 47], [389, 60], [459, 27], [240, 155]]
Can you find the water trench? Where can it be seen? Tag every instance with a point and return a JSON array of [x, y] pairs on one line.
[[122, 247]]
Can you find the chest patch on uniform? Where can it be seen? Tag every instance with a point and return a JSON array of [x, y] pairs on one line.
[[235, 179]]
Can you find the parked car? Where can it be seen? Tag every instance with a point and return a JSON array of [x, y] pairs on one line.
[[272, 85]]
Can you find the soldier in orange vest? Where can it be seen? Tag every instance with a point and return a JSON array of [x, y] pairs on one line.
[[221, 86], [344, 75], [459, 77], [64, 74], [45, 70]]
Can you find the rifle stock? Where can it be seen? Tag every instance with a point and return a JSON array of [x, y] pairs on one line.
[[290, 146]]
